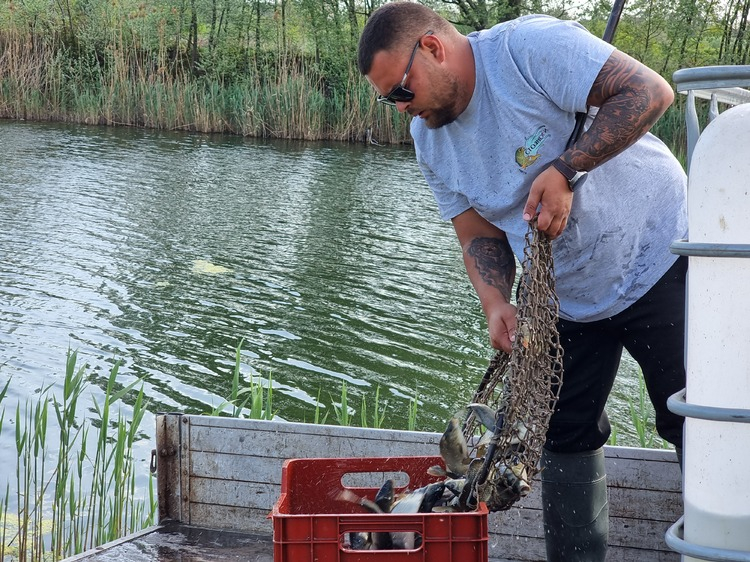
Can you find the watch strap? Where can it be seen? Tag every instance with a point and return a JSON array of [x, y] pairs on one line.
[[564, 169]]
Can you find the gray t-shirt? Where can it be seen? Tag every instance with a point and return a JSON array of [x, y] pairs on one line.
[[532, 75]]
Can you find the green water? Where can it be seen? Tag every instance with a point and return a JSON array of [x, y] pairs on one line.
[[165, 250]]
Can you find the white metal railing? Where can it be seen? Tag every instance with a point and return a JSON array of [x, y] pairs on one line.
[[719, 84]]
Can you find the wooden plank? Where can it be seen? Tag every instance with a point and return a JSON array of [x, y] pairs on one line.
[[112, 545], [623, 532], [174, 542], [642, 473], [281, 441], [531, 550], [655, 505], [232, 493], [185, 480], [168, 466], [234, 518]]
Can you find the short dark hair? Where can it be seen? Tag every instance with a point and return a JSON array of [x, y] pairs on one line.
[[393, 25]]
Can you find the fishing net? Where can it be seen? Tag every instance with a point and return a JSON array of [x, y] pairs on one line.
[[522, 388]]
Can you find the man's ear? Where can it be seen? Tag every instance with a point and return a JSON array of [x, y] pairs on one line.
[[434, 46]]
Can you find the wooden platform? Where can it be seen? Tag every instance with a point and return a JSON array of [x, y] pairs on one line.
[[176, 542], [225, 474]]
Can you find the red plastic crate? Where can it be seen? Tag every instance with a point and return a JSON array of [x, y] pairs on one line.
[[310, 523]]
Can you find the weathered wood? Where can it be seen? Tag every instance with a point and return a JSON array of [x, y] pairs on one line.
[[235, 476], [185, 476], [168, 463], [175, 542]]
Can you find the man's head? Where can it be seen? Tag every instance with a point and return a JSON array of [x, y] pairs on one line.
[[413, 58]]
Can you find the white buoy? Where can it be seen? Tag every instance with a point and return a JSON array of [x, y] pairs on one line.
[[717, 454]]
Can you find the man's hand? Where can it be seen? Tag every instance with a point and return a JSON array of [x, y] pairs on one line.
[[502, 326], [550, 189]]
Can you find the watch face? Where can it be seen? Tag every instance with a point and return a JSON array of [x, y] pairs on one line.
[[577, 180]]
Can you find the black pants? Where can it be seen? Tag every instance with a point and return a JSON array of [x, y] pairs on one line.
[[653, 332]]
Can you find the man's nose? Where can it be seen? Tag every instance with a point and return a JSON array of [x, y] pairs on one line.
[[402, 106]]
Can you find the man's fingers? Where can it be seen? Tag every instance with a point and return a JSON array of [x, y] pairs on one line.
[[556, 227], [544, 221], [531, 205]]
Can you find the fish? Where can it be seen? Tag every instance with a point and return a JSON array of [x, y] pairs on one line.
[[385, 496], [409, 503], [384, 500], [492, 421], [517, 478], [381, 541], [374, 541], [437, 470], [432, 495], [453, 449], [454, 485], [349, 496], [486, 415], [525, 160], [360, 541]]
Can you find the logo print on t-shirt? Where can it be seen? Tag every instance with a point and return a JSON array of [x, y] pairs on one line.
[[527, 154]]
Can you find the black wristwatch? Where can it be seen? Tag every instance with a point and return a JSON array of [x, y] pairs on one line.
[[575, 177]]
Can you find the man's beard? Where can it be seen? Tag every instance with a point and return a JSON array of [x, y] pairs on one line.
[[446, 112]]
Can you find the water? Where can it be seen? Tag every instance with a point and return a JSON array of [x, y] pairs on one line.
[[165, 250]]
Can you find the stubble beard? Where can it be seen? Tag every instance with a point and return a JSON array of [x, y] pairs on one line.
[[447, 101]]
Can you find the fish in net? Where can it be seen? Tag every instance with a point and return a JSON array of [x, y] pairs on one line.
[[517, 394]]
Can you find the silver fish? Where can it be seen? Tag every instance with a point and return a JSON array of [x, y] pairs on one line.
[[486, 415], [453, 449], [432, 495], [409, 503]]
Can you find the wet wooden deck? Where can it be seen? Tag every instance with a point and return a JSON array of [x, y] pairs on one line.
[[177, 542]]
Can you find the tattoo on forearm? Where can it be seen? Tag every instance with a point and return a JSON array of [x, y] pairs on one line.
[[495, 263], [622, 119]]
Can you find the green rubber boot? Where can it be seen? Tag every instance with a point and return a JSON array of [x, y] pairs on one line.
[[575, 506]]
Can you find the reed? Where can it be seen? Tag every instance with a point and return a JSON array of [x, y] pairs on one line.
[[290, 98], [254, 401], [642, 418], [89, 495], [411, 423], [342, 408], [378, 411]]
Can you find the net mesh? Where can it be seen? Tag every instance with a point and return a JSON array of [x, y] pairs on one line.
[[522, 388]]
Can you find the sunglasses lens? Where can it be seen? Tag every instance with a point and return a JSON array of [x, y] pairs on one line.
[[398, 94]]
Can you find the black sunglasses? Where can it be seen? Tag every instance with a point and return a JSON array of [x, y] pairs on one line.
[[401, 93]]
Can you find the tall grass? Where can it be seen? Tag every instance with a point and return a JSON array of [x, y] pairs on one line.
[[80, 491], [643, 422], [286, 99], [254, 401]]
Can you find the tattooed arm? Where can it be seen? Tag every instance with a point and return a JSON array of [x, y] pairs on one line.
[[491, 267], [630, 97]]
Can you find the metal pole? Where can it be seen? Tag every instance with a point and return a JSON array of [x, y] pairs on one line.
[[609, 34]]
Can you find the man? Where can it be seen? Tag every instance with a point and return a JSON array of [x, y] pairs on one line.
[[492, 113]]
